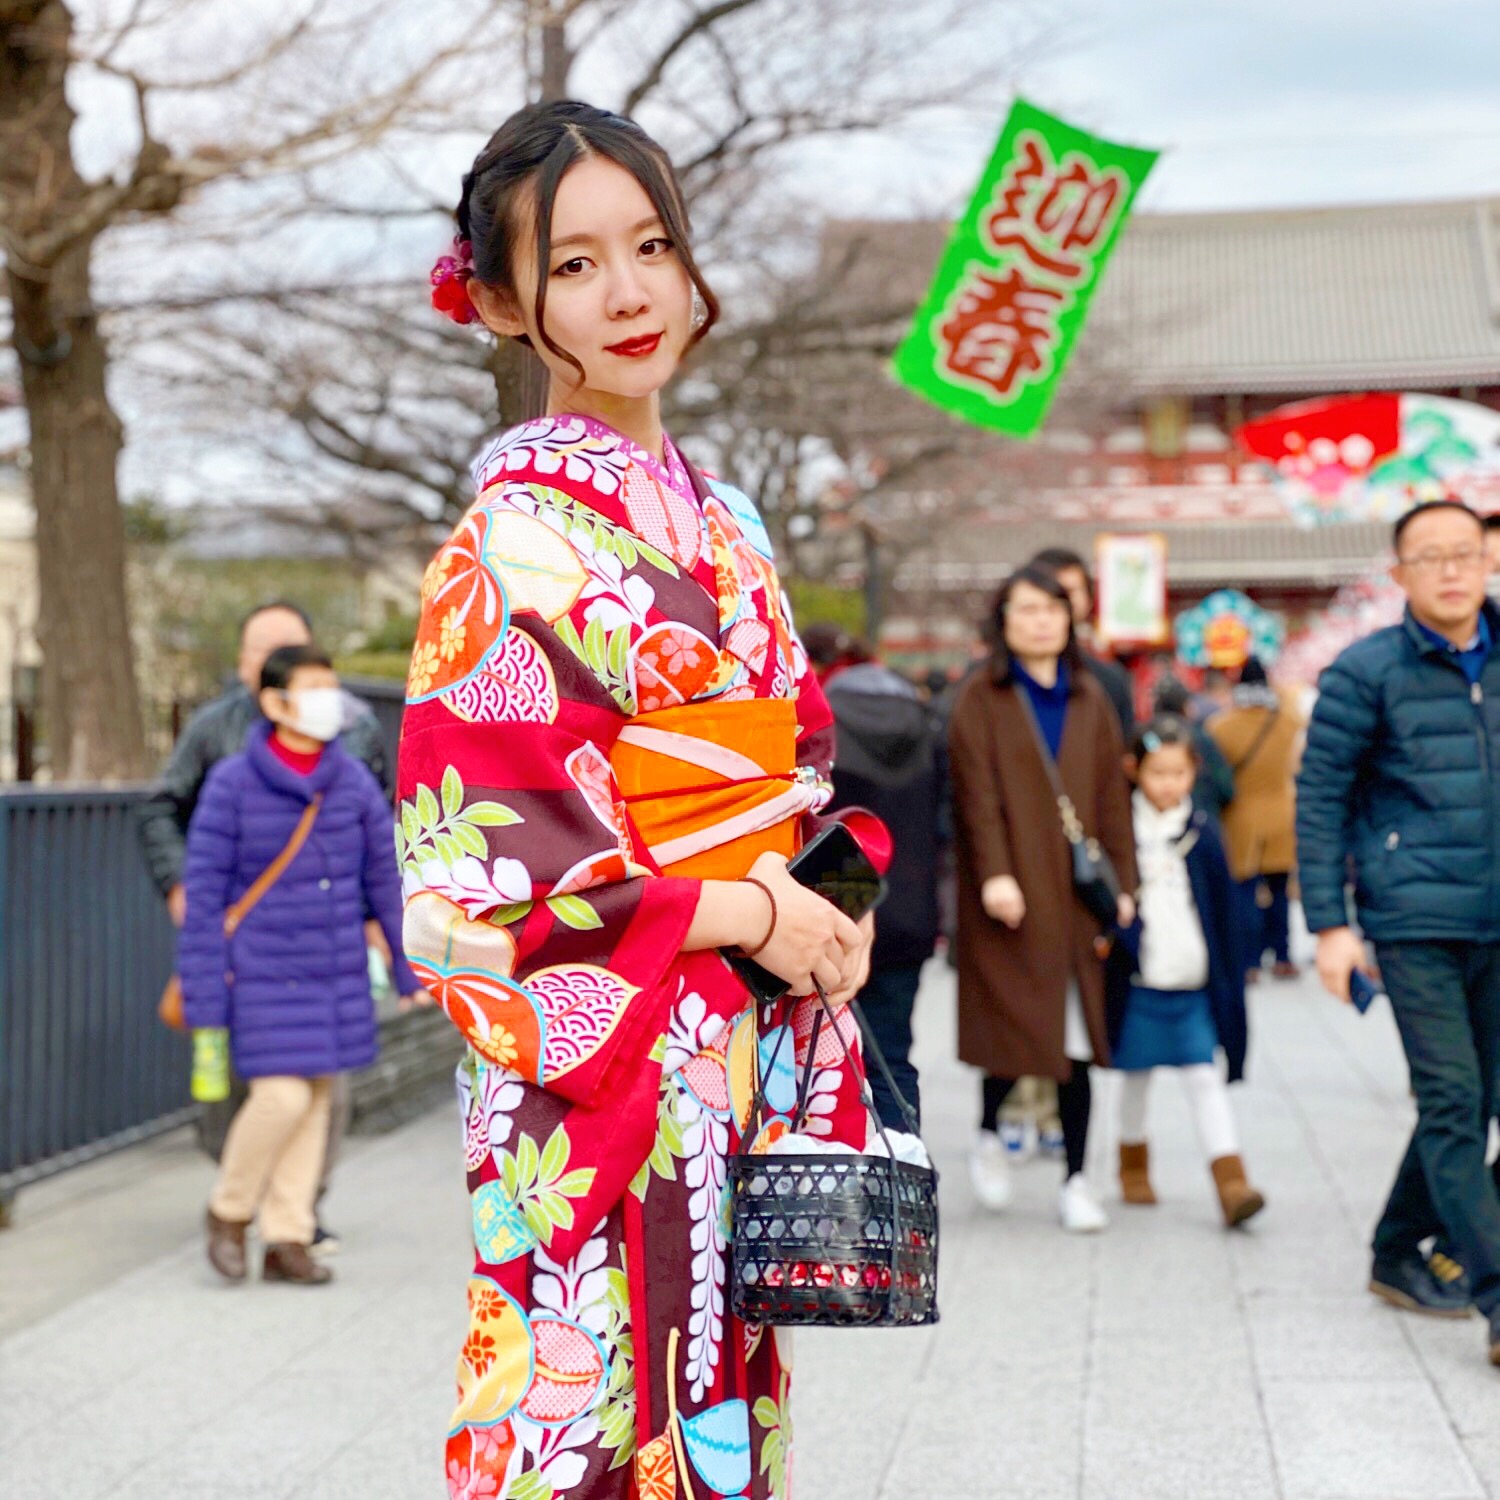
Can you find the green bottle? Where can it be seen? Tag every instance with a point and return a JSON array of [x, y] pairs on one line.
[[211, 1064]]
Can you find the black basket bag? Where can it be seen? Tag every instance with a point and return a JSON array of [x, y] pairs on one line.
[[833, 1241]]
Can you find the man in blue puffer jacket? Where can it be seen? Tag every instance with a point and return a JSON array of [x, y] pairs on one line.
[[1401, 777]]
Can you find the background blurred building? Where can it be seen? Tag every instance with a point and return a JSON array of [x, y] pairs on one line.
[[1203, 321]]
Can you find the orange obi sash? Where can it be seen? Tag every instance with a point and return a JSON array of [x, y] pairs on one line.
[[711, 786]]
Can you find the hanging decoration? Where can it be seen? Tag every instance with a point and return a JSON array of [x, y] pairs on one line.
[[1358, 458], [1225, 630]]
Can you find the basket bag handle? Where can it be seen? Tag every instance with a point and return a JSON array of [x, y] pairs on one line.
[[799, 1115]]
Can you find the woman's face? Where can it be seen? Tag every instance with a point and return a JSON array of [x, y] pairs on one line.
[[1036, 624], [619, 299]]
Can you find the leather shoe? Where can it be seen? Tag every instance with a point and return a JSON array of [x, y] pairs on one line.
[[1495, 1339], [226, 1246], [1410, 1283], [294, 1264]]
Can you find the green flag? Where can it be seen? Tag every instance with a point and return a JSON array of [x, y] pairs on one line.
[[994, 332]]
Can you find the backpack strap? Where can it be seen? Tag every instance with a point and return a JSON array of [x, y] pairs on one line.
[[1272, 715]]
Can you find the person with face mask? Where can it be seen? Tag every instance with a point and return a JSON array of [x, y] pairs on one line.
[[219, 729], [290, 843]]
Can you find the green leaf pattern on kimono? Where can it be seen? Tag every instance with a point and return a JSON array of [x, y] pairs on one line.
[[539, 1184]]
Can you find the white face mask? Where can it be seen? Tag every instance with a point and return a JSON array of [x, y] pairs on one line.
[[318, 713]]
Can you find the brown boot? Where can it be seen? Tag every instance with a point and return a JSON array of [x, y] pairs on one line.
[[226, 1247], [1135, 1175], [1237, 1198], [294, 1264]]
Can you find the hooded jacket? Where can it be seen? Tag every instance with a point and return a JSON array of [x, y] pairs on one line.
[[889, 760]]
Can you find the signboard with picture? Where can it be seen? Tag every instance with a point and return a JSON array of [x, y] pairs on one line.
[[1131, 569]]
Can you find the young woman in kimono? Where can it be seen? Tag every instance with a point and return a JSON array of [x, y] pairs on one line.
[[612, 745]]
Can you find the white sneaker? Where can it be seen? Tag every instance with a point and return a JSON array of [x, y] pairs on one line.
[[989, 1172], [1079, 1208]]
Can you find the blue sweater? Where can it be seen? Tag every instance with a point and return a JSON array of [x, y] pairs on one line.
[[292, 984], [1050, 704], [1402, 776]]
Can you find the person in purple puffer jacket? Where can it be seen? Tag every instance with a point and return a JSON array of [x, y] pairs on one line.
[[291, 986]]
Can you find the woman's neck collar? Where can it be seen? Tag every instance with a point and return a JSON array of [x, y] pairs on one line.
[[1042, 670], [635, 417]]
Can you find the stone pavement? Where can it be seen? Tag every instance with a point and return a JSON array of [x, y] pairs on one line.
[[1164, 1359]]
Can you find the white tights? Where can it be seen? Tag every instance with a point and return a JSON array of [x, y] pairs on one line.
[[1208, 1098]]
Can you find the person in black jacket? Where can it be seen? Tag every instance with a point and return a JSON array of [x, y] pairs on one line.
[[1068, 568], [889, 760], [1401, 776], [218, 730]]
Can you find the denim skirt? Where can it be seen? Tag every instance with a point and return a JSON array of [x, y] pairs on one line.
[[1165, 1029]]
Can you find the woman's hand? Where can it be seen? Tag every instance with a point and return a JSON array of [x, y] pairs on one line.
[[417, 1000], [1002, 900], [857, 966], [1125, 910], [813, 942]]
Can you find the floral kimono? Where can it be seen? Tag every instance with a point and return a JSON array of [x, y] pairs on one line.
[[607, 704]]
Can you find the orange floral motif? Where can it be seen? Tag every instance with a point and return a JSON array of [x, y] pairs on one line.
[[424, 665], [437, 574], [453, 633], [463, 610], [485, 1303], [500, 1045], [655, 1470], [479, 1352], [673, 664]]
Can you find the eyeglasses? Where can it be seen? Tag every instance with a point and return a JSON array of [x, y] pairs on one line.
[[1462, 559]]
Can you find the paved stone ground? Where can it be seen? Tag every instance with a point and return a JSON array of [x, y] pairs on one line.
[[1164, 1359]]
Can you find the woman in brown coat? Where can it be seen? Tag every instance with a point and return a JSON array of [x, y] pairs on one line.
[[1030, 981], [1260, 736]]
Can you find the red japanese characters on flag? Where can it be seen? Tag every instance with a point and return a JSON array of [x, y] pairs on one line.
[[1003, 330], [1049, 216], [1054, 213], [994, 332]]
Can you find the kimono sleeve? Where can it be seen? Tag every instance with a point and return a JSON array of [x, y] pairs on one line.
[[528, 915], [533, 912]]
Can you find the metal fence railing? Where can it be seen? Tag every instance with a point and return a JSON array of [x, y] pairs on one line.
[[85, 948]]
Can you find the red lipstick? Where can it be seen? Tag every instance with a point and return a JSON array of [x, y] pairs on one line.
[[637, 348]]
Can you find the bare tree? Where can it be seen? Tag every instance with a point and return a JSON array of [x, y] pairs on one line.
[[53, 219], [357, 397]]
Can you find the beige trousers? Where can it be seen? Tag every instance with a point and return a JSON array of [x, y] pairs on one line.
[[273, 1158]]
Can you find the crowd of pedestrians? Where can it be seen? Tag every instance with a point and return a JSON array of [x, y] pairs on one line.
[[997, 790], [1385, 809]]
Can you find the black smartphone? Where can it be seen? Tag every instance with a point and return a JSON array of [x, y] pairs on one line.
[[832, 864]]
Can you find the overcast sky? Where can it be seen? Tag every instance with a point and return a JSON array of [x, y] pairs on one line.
[[1254, 102]]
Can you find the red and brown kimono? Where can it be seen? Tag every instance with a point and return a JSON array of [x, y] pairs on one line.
[[608, 704]]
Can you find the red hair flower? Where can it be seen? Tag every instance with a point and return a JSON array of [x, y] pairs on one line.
[[450, 283]]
